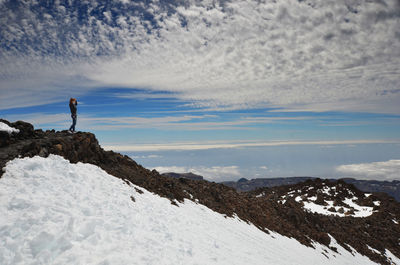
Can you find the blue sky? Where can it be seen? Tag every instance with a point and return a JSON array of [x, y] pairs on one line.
[[226, 89]]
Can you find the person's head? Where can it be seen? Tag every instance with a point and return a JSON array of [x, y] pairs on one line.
[[72, 100]]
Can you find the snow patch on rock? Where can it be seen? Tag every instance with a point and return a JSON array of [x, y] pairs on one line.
[[5, 128], [348, 207]]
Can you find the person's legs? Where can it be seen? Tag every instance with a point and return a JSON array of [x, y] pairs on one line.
[[73, 123], [72, 128]]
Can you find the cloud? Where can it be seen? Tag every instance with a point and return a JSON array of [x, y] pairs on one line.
[[175, 169], [40, 120], [314, 55], [386, 170], [215, 173], [181, 122], [229, 144], [147, 156], [87, 122]]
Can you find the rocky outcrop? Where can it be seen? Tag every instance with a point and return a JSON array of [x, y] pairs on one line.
[[263, 208], [377, 231]]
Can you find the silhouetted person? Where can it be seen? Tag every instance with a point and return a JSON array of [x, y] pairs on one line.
[[72, 105]]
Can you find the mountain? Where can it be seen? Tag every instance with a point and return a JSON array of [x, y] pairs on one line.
[[189, 175], [390, 187], [63, 199], [244, 184]]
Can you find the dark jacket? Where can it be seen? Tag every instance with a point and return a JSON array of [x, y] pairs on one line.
[[73, 108]]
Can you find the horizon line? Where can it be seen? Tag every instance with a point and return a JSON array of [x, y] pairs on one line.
[[228, 145]]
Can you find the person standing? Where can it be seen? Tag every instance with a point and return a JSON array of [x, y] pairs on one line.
[[72, 106]]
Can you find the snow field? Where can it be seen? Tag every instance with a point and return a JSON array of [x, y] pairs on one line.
[[5, 128], [55, 212]]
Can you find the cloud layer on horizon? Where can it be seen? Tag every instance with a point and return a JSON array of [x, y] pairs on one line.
[[386, 170], [299, 55], [214, 173]]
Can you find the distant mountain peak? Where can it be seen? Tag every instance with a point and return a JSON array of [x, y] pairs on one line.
[[242, 180], [188, 175]]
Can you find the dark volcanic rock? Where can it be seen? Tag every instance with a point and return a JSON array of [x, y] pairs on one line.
[[381, 228], [26, 131], [263, 207]]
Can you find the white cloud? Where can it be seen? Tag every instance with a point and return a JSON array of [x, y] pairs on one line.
[[174, 169], [40, 120], [215, 173], [140, 147], [313, 55], [177, 122], [386, 170], [147, 156], [87, 122]]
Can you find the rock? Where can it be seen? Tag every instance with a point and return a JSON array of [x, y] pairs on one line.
[[324, 239], [59, 147], [4, 139], [25, 129], [43, 152], [332, 209]]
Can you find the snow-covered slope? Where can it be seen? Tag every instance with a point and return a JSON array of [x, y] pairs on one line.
[[55, 212]]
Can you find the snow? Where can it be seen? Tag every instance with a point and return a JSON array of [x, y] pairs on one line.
[[321, 209], [395, 260], [55, 212], [312, 198], [188, 193], [326, 190], [260, 195], [5, 128], [373, 250], [359, 211]]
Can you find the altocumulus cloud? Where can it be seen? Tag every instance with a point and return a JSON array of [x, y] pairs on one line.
[[312, 54], [386, 170]]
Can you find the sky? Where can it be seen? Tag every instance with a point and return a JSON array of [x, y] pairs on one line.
[[225, 89]]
